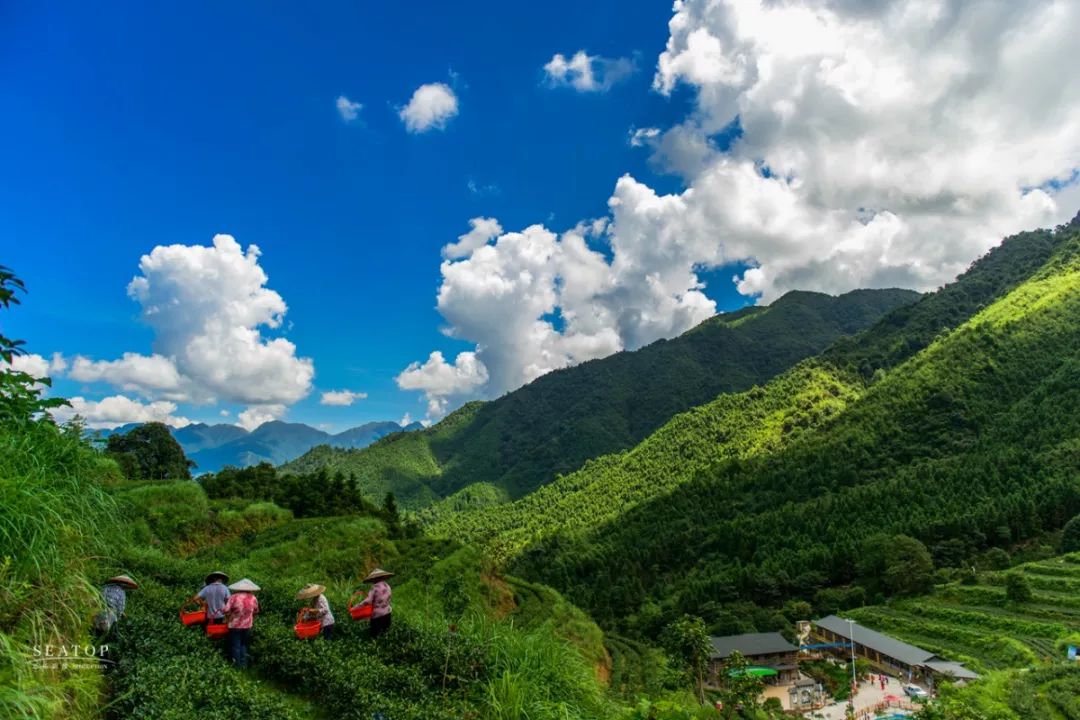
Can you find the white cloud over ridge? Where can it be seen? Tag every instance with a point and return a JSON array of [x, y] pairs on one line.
[[341, 398], [882, 144], [442, 382], [430, 107], [256, 415], [207, 307], [117, 410], [587, 73]]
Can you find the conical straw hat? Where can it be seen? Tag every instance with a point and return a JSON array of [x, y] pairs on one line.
[[244, 585], [310, 590], [377, 574], [216, 574], [123, 580]]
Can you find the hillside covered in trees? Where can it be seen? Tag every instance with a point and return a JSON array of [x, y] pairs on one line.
[[963, 439], [526, 438], [750, 423]]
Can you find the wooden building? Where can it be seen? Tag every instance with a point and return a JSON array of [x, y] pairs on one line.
[[763, 651]]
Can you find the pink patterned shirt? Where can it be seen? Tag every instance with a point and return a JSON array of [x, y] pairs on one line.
[[240, 610], [378, 599]]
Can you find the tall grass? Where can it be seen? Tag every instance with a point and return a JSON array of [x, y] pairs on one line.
[[54, 517], [538, 676]]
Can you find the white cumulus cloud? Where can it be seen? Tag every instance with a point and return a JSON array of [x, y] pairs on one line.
[[117, 410], [882, 144], [341, 397], [348, 109], [37, 366], [207, 307], [148, 375], [587, 73], [441, 382], [431, 107]]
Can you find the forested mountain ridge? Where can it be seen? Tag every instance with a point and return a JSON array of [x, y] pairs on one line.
[[974, 440], [556, 423], [735, 425], [740, 425]]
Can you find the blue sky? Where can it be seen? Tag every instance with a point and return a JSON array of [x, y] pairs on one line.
[[815, 146], [128, 127]]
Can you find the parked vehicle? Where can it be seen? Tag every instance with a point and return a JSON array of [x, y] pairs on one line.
[[914, 691]]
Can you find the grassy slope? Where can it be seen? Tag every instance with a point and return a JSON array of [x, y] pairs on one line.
[[54, 512], [989, 407], [553, 425], [491, 661]]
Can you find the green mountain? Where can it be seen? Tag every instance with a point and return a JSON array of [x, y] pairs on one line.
[[553, 425], [954, 420], [744, 424]]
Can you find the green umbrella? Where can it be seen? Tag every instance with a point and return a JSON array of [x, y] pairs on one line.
[[755, 671]]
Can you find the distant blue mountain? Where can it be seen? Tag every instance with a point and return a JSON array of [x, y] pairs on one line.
[[212, 447]]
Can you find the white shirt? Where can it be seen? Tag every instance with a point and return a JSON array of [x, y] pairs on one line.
[[322, 605]]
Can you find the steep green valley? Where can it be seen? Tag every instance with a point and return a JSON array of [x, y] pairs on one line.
[[511, 446]]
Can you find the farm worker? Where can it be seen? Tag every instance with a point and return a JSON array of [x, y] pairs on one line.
[[379, 599], [213, 595], [240, 610], [114, 595], [320, 607]]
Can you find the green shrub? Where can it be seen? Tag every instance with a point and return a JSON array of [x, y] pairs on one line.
[[1070, 536], [1017, 588]]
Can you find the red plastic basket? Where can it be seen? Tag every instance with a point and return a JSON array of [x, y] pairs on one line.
[[197, 617], [217, 630], [359, 612], [306, 629]]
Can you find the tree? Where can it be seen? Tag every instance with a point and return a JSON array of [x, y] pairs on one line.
[[909, 569], [1017, 588], [870, 562], [739, 690], [687, 640], [20, 393], [1070, 536], [391, 515], [150, 452], [996, 559]]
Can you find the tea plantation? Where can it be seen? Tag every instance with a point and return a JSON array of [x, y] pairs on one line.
[[978, 624]]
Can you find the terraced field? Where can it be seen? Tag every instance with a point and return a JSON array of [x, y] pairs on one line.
[[976, 624]]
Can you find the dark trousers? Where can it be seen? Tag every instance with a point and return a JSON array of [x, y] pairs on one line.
[[239, 642], [109, 638], [379, 625], [327, 632]]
